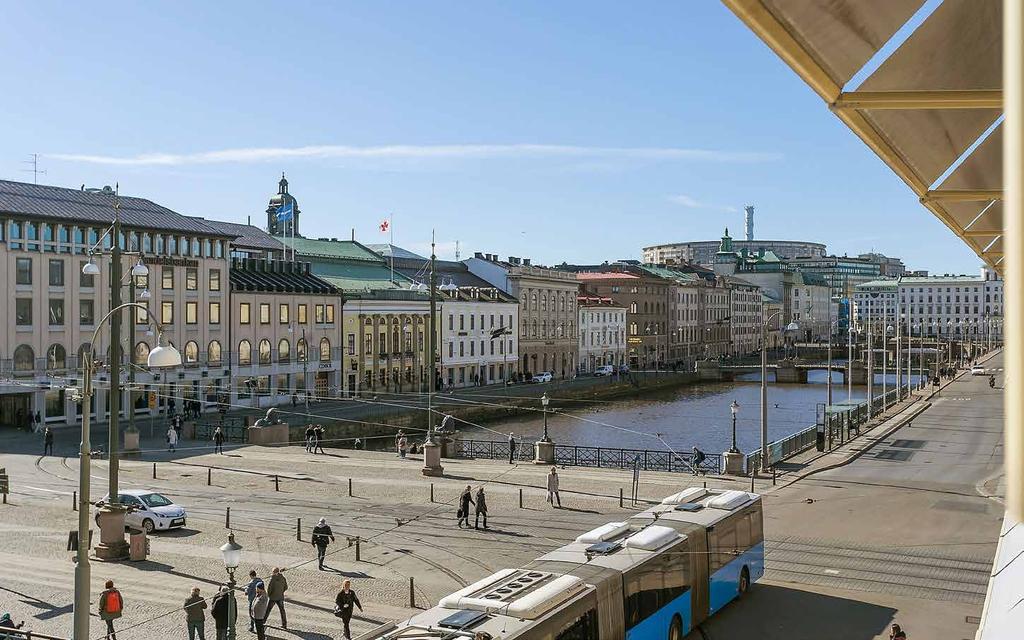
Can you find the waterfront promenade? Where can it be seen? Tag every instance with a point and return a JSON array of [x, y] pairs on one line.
[[903, 530]]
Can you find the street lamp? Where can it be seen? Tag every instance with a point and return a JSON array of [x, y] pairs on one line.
[[734, 408], [792, 326], [545, 401], [159, 357], [849, 363], [232, 552]]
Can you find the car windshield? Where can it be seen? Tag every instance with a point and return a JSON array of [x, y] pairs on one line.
[[155, 500]]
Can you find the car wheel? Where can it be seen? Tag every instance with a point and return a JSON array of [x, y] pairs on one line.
[[148, 526], [744, 582], [675, 628]]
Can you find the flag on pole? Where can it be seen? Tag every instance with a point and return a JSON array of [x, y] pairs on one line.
[[284, 212], [385, 226]]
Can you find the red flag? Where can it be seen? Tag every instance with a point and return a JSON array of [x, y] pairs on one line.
[[384, 226]]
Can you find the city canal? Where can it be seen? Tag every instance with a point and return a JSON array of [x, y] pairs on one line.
[[694, 415]]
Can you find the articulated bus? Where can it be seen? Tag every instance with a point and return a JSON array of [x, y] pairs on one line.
[[657, 575]]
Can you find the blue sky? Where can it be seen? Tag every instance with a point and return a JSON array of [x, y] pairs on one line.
[[576, 131]]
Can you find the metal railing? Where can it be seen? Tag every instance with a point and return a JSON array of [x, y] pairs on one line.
[[233, 428], [603, 457]]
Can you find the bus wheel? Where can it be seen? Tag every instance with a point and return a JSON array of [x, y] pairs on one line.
[[675, 629], [744, 582]]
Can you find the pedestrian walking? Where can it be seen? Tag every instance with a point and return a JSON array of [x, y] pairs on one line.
[[31, 428], [111, 604], [398, 442], [218, 440], [403, 444], [896, 632], [223, 616], [195, 616], [318, 439], [481, 508], [310, 434], [7, 623], [322, 536], [465, 500], [250, 593], [48, 441], [275, 591], [177, 422], [295, 400], [343, 603], [172, 439], [553, 496], [259, 610], [511, 447], [696, 459]]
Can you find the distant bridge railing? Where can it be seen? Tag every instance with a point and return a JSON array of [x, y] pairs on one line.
[[604, 457]]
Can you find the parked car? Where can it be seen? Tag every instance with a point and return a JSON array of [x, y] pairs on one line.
[[149, 511], [978, 370], [604, 370], [543, 376]]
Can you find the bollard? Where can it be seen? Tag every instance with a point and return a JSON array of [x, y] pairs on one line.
[[209, 476], [298, 529], [357, 549], [431, 492], [620, 497], [773, 476], [705, 484], [154, 471], [412, 593], [277, 486], [227, 517], [350, 487], [752, 474], [74, 501], [520, 498]]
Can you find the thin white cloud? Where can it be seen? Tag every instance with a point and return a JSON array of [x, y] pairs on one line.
[[693, 203], [419, 152]]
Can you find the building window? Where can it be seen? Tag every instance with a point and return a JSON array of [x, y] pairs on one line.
[[264, 313], [23, 312], [243, 313], [300, 350], [244, 352], [214, 279], [368, 343], [282, 313], [301, 313], [86, 312], [325, 350], [56, 273], [191, 352], [167, 278], [141, 314], [140, 355], [85, 280], [167, 313], [213, 354], [24, 358], [330, 314], [264, 351], [56, 312], [319, 314], [56, 357], [214, 313], [191, 279], [283, 350], [351, 344], [24, 271]]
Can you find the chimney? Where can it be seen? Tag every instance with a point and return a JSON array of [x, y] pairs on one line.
[[526, 262], [478, 255], [513, 260], [748, 228]]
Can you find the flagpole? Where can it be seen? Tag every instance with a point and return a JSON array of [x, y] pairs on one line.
[[391, 228]]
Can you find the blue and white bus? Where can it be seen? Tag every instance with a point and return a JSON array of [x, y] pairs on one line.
[[657, 575]]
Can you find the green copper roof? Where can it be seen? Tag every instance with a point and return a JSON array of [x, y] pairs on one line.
[[337, 249]]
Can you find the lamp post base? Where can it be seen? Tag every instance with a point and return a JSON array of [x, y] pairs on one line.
[[112, 546], [733, 461], [544, 452], [432, 460], [131, 444]]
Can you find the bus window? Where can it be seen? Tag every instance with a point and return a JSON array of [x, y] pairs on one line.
[[654, 584], [583, 628], [756, 525], [723, 547], [743, 539]]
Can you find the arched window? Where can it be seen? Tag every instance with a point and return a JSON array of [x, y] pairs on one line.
[[140, 356], [264, 351], [56, 357], [24, 358], [325, 350], [82, 351], [283, 350], [244, 352], [191, 352], [300, 350], [213, 352]]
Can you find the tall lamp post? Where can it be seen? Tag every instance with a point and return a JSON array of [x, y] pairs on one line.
[[232, 552], [792, 326], [734, 408], [886, 330], [849, 362], [545, 401], [432, 450], [159, 357]]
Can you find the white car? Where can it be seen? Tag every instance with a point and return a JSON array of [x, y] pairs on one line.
[[543, 376], [149, 511], [604, 370], [978, 371]]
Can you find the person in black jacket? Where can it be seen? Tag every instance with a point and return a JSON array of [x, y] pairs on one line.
[[322, 536], [48, 441], [218, 440], [220, 609], [465, 500], [343, 605], [481, 508]]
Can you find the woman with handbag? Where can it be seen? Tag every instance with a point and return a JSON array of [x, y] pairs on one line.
[[465, 500], [343, 603]]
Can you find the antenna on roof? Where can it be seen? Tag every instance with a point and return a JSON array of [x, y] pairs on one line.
[[35, 170]]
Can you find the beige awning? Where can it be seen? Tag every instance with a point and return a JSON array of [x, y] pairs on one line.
[[922, 108]]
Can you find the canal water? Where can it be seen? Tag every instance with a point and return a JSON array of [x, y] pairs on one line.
[[688, 416]]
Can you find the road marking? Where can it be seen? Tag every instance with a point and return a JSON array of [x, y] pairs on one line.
[[832, 572], [66, 493]]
